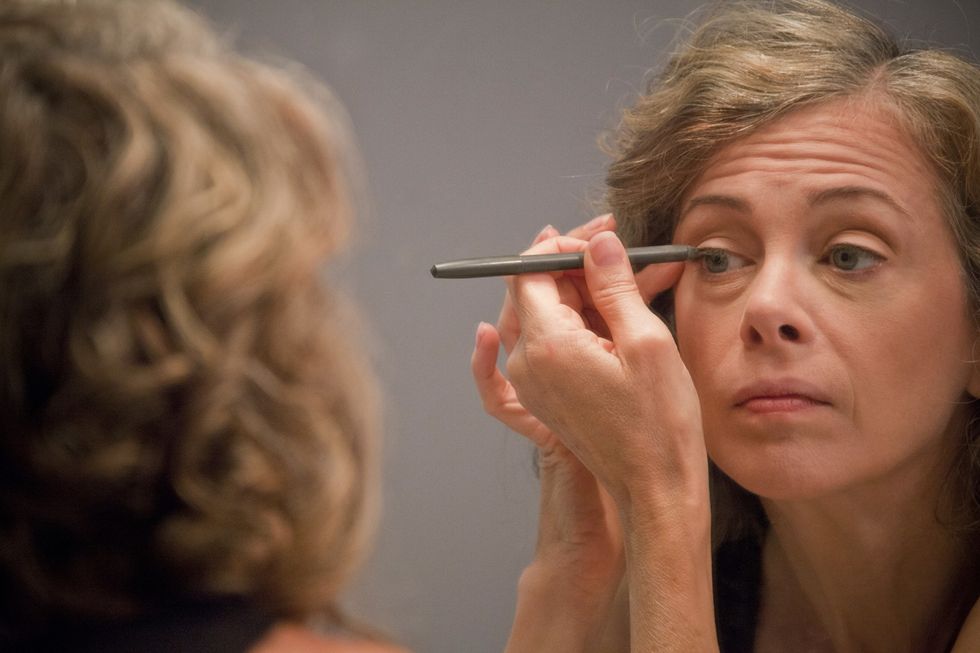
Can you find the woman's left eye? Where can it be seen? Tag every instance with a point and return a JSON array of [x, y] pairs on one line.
[[716, 261], [851, 258]]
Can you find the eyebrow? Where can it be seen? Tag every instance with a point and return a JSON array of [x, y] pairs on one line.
[[854, 192], [726, 201]]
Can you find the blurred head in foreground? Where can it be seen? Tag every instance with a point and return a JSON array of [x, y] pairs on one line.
[[182, 414]]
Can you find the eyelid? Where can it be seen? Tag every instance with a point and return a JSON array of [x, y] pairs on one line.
[[856, 245], [863, 239], [707, 251]]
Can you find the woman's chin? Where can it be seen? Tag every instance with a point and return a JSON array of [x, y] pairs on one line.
[[780, 471]]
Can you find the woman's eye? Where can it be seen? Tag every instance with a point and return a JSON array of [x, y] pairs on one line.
[[852, 258], [718, 261]]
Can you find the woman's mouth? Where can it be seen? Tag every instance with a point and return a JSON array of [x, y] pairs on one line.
[[779, 404], [780, 396]]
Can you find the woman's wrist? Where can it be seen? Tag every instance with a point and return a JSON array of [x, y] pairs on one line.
[[667, 535], [662, 468], [665, 490], [579, 592], [668, 558]]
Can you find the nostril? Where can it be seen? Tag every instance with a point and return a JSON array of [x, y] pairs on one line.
[[789, 332]]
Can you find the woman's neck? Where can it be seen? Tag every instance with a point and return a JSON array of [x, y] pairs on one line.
[[871, 570]]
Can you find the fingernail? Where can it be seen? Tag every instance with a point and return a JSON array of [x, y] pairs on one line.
[[547, 231], [606, 249], [595, 223], [480, 330]]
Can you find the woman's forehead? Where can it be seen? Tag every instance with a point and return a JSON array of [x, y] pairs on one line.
[[842, 146]]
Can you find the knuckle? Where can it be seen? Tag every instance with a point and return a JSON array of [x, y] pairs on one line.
[[531, 360], [517, 364], [492, 405], [616, 290], [653, 342], [541, 355]]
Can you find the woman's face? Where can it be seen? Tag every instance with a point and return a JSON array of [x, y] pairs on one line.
[[829, 336]]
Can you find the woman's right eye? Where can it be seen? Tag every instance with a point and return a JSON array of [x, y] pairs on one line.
[[719, 261]]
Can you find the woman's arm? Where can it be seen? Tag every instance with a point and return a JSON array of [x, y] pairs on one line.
[[625, 406], [567, 595]]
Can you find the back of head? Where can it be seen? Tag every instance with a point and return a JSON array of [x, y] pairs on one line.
[[181, 412]]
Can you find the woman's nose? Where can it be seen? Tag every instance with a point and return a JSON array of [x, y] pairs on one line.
[[774, 312]]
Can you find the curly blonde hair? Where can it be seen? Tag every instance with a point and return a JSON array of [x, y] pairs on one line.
[[181, 407], [749, 62]]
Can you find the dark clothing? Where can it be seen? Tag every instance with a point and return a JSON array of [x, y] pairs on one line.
[[225, 626], [737, 577]]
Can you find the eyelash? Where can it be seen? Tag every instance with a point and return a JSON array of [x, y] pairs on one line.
[[716, 252]]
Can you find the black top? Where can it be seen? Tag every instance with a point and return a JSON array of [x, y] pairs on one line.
[[211, 626], [737, 581]]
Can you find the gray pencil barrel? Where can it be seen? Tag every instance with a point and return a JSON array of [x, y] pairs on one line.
[[640, 256], [469, 268], [496, 266], [553, 262]]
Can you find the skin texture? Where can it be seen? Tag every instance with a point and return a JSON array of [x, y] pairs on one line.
[[823, 359]]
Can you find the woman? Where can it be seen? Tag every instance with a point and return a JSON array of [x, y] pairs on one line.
[[188, 447], [824, 356]]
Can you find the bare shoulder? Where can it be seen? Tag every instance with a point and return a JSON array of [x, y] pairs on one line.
[[968, 640], [294, 638]]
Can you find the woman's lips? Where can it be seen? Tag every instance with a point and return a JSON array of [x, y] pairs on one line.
[[780, 396], [780, 404]]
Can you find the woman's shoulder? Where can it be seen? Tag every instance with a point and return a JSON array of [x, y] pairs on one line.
[[295, 638]]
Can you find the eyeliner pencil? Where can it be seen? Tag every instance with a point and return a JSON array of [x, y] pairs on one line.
[[496, 266]]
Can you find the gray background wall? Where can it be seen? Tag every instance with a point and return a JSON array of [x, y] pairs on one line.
[[477, 122]]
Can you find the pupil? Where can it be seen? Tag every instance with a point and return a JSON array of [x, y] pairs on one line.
[[717, 262], [845, 258]]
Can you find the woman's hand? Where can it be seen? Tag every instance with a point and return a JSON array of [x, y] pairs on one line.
[[623, 403], [498, 395], [619, 398]]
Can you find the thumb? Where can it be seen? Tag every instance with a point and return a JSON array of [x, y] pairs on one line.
[[612, 285]]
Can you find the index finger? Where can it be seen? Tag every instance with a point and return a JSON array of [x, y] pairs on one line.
[[655, 279], [536, 296], [601, 223], [508, 324]]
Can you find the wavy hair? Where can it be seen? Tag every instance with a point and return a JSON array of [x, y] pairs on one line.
[[182, 407], [749, 62]]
